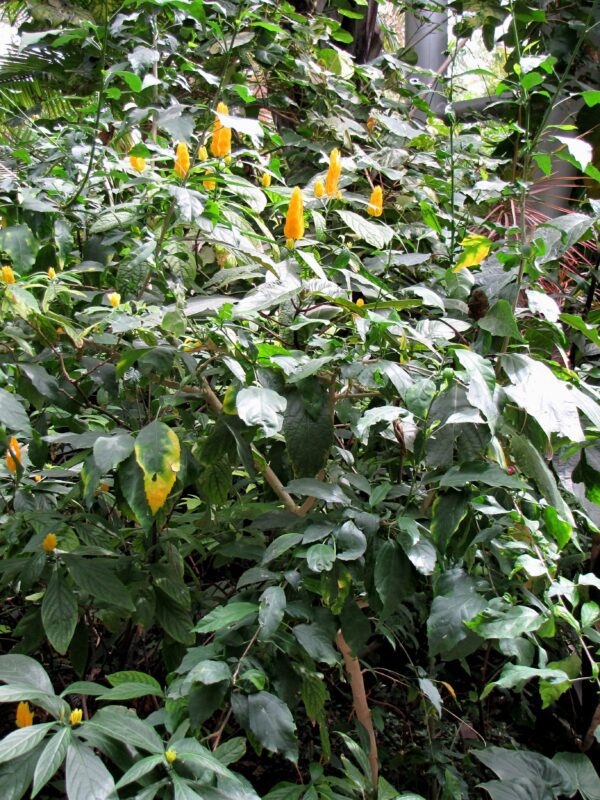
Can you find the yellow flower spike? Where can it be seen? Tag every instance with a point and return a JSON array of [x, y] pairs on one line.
[[75, 716], [294, 221], [290, 244], [333, 173], [375, 207], [49, 543], [137, 163], [37, 478], [360, 302], [13, 454], [265, 180], [8, 276], [209, 184], [319, 188], [104, 487], [170, 755], [24, 715], [220, 145], [182, 160], [51, 273], [114, 298], [202, 153], [371, 123]]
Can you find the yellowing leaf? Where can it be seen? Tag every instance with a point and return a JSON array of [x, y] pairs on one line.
[[158, 453], [476, 249]]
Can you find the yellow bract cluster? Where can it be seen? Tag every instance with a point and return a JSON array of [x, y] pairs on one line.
[[182, 160], [333, 173], [220, 145], [294, 221], [137, 163], [75, 716], [50, 542], [13, 454], [114, 298], [8, 276], [24, 716], [375, 207]]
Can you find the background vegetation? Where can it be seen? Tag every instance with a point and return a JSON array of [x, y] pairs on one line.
[[297, 498]]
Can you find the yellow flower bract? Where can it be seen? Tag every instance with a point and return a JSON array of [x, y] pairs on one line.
[[50, 542], [24, 716], [137, 163], [220, 145], [13, 454], [333, 173], [265, 180], [170, 755], [182, 160], [294, 221], [114, 298], [8, 276], [375, 207], [319, 188], [75, 716]]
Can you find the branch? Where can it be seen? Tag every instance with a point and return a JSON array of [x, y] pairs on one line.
[[359, 700]]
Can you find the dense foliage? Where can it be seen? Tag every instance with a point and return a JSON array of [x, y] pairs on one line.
[[295, 389]]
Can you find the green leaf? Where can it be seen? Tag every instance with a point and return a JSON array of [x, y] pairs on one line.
[[311, 487], [110, 451], [579, 770], [420, 551], [96, 577], [16, 775], [26, 671], [317, 643], [457, 602], [59, 612], [536, 389], [131, 486], [532, 463], [209, 672], [231, 751], [500, 321], [514, 676], [51, 759], [550, 692], [262, 407], [488, 474], [393, 579], [131, 79], [271, 611], [128, 691], [308, 431], [223, 617], [374, 233], [507, 623], [125, 726], [139, 769], [86, 776], [20, 245], [320, 557], [133, 676], [314, 695], [591, 97], [271, 721], [158, 453], [12, 413], [449, 510], [523, 775], [21, 741]]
